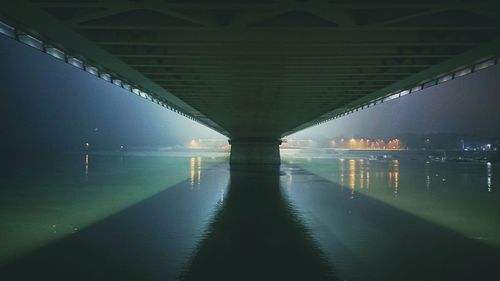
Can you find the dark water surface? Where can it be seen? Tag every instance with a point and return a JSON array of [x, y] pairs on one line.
[[403, 217], [107, 217], [191, 217]]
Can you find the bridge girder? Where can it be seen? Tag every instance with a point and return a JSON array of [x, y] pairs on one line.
[[265, 70]]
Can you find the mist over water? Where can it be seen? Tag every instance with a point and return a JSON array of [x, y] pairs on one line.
[[51, 105]]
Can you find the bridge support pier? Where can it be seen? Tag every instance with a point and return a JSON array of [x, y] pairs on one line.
[[255, 152]]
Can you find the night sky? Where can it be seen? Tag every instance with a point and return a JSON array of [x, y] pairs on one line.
[[48, 104], [468, 105]]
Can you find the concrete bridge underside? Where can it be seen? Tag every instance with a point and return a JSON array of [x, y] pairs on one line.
[[259, 70]]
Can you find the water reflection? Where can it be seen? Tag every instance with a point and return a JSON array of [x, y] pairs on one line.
[[352, 176], [451, 194], [360, 170], [195, 171], [427, 176], [394, 176], [488, 174], [367, 179], [137, 221], [256, 236], [192, 166], [415, 233], [199, 170], [359, 175], [341, 165], [86, 167]]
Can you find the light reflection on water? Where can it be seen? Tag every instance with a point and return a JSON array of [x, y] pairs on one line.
[[488, 173], [359, 174], [396, 211], [195, 171], [192, 170], [352, 176], [86, 167], [52, 200], [400, 210]]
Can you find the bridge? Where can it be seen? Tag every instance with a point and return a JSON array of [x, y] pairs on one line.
[[257, 71]]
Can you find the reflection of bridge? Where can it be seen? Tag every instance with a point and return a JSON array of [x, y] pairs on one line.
[[257, 71]]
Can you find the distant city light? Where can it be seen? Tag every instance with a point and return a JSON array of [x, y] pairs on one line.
[[352, 144], [194, 144]]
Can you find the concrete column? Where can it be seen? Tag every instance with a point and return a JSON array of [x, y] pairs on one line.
[[255, 152]]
